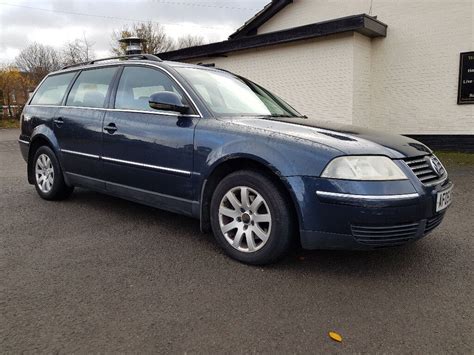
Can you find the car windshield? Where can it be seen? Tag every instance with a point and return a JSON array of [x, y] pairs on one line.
[[230, 95]]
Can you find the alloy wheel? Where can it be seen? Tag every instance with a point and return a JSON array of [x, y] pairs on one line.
[[44, 173], [245, 219]]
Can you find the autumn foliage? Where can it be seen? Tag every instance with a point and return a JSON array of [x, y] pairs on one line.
[[14, 88]]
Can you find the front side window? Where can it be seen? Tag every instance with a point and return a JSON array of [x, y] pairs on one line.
[[90, 88], [137, 84], [230, 95], [52, 90]]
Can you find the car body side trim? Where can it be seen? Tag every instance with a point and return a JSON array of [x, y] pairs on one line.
[[64, 106], [163, 113], [133, 188], [156, 167], [178, 171], [24, 142], [80, 154], [150, 198], [338, 195]]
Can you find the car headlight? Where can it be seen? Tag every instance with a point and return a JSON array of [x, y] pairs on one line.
[[363, 168]]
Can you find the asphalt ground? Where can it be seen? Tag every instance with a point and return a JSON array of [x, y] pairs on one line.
[[99, 274]]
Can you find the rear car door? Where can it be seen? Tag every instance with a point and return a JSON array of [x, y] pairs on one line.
[[148, 153], [46, 101], [78, 125]]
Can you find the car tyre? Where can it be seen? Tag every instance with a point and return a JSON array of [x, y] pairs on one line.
[[251, 218], [48, 176]]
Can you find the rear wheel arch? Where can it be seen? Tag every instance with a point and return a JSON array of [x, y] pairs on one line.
[[231, 165], [43, 137], [47, 174]]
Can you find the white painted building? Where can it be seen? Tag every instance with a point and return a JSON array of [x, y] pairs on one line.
[[387, 64]]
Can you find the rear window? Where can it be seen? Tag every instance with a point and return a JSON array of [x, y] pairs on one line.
[[90, 88], [52, 90]]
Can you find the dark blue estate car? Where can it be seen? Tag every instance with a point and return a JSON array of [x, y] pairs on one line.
[[209, 144]]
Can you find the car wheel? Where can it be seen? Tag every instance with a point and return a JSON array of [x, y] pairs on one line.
[[49, 180], [251, 218]]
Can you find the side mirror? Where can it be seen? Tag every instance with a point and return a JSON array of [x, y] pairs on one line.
[[167, 101]]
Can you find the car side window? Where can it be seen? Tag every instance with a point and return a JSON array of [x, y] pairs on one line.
[[53, 89], [137, 84], [90, 88]]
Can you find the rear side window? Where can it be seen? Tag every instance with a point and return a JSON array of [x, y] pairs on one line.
[[137, 84], [52, 90], [90, 88]]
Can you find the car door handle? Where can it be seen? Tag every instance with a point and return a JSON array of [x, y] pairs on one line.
[[58, 121], [110, 128]]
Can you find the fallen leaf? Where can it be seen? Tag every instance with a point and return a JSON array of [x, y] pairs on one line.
[[335, 336]]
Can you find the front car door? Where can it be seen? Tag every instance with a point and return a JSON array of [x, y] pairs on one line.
[[78, 126], [148, 154]]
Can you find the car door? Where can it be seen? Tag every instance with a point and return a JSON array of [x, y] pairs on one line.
[[47, 99], [148, 154], [78, 125]]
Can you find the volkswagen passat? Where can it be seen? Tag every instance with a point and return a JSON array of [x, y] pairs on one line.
[[215, 146]]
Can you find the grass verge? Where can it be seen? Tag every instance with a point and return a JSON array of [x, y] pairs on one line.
[[9, 123], [455, 158]]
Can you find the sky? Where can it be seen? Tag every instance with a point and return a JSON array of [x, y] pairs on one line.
[[56, 22]]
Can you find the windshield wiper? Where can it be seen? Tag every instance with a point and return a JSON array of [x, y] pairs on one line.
[[276, 115]]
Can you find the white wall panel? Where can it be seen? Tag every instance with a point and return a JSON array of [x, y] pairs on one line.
[[315, 76]]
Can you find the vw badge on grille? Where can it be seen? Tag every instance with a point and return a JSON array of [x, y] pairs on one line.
[[436, 166]]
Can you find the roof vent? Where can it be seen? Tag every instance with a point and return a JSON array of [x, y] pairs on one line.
[[133, 45]]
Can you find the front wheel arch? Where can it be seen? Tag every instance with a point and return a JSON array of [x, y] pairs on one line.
[[230, 166], [251, 218]]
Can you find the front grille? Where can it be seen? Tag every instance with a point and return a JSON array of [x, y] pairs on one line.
[[385, 236], [433, 222], [428, 169]]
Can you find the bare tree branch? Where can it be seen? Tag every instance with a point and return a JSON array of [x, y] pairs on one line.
[[189, 41], [38, 60], [155, 38], [77, 51]]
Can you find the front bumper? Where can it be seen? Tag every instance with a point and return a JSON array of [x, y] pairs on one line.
[[355, 215]]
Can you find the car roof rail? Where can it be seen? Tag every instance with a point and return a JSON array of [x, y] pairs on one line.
[[123, 57]]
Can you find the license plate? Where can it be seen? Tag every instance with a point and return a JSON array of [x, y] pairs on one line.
[[443, 199]]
